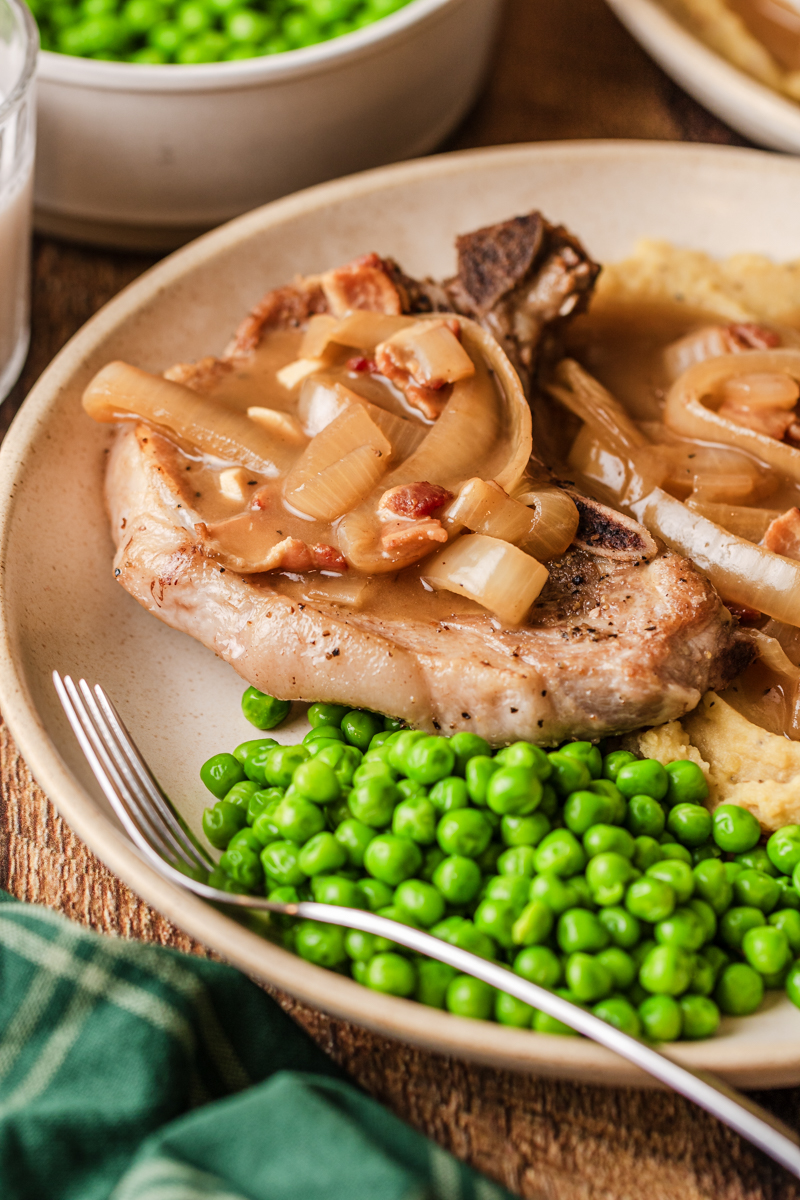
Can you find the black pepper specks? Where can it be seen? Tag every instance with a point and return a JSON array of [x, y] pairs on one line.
[[466, 716], [117, 571]]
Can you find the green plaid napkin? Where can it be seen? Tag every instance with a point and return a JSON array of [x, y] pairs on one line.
[[132, 1072]]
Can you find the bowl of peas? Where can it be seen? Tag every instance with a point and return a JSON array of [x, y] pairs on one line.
[[159, 119]]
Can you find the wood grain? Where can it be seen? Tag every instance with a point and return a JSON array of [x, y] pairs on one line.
[[562, 69]]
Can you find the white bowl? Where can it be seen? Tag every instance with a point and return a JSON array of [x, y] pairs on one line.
[[60, 607], [746, 105], [149, 156]]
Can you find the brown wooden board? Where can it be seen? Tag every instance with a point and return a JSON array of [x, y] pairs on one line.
[[562, 69]]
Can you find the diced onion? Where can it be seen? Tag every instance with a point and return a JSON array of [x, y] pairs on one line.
[[361, 330], [233, 484], [740, 571], [588, 399], [279, 424], [322, 400], [120, 391], [556, 522], [350, 590], [430, 352], [545, 529], [689, 410], [493, 573], [339, 467], [295, 372], [748, 523]]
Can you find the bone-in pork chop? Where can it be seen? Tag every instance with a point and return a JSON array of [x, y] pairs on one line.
[[623, 633]]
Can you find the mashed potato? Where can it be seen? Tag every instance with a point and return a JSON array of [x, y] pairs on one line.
[[743, 763]]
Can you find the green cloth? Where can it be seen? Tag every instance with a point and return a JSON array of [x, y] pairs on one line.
[[131, 1072]]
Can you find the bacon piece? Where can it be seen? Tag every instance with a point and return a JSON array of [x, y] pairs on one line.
[[772, 422], [328, 558], [783, 534], [201, 376], [748, 336], [362, 365], [413, 500], [744, 614], [365, 284], [284, 308], [403, 535]]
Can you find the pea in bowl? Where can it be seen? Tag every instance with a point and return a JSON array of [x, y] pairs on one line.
[[149, 153]]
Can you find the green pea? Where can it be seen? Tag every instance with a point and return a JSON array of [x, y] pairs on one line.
[[391, 973], [758, 860], [416, 819], [320, 944], [336, 889], [662, 1018], [525, 755], [322, 854], [316, 781], [392, 859], [788, 921], [468, 997], [646, 851], [706, 915], [756, 889], [326, 714], [324, 733], [253, 756], [735, 829], [458, 879], [623, 928], [650, 899], [701, 1017], [477, 774], [343, 760], [337, 813], [359, 946], [465, 832], [208, 47], [712, 884], [549, 806], [508, 1010], [517, 860], [375, 766], [431, 859], [524, 831], [682, 928], [701, 853], [433, 980], [766, 949], [608, 876], [379, 740], [533, 925], [645, 817], [281, 763], [561, 852], [677, 874], [429, 760], [677, 853], [739, 990], [579, 930], [358, 727], [620, 1013], [690, 824], [376, 893], [399, 745], [735, 923], [608, 839], [242, 864], [242, 793], [265, 712], [496, 919], [449, 793], [463, 933], [373, 801], [264, 826], [792, 984], [717, 958], [245, 837], [513, 790], [514, 888], [298, 819], [588, 754], [222, 821], [394, 724], [421, 902], [686, 783], [667, 970], [645, 777], [466, 746], [542, 1023], [622, 967], [704, 976], [614, 762], [140, 15], [538, 964], [732, 870], [783, 848], [569, 774], [166, 36], [587, 978], [220, 773], [408, 788], [281, 863], [583, 893], [584, 809], [604, 787], [551, 889]]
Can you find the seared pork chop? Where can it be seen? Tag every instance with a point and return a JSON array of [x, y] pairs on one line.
[[623, 634]]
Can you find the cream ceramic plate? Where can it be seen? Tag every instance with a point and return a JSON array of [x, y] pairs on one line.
[[755, 110], [59, 605]]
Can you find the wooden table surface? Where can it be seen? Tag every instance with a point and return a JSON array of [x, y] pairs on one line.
[[562, 69]]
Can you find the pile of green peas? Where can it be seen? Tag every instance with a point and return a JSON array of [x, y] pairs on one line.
[[197, 31], [600, 876]]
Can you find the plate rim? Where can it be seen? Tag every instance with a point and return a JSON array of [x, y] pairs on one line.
[[336, 995]]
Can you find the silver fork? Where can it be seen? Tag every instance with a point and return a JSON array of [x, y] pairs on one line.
[[154, 827]]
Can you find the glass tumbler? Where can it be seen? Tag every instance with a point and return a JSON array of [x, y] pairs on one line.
[[19, 44]]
